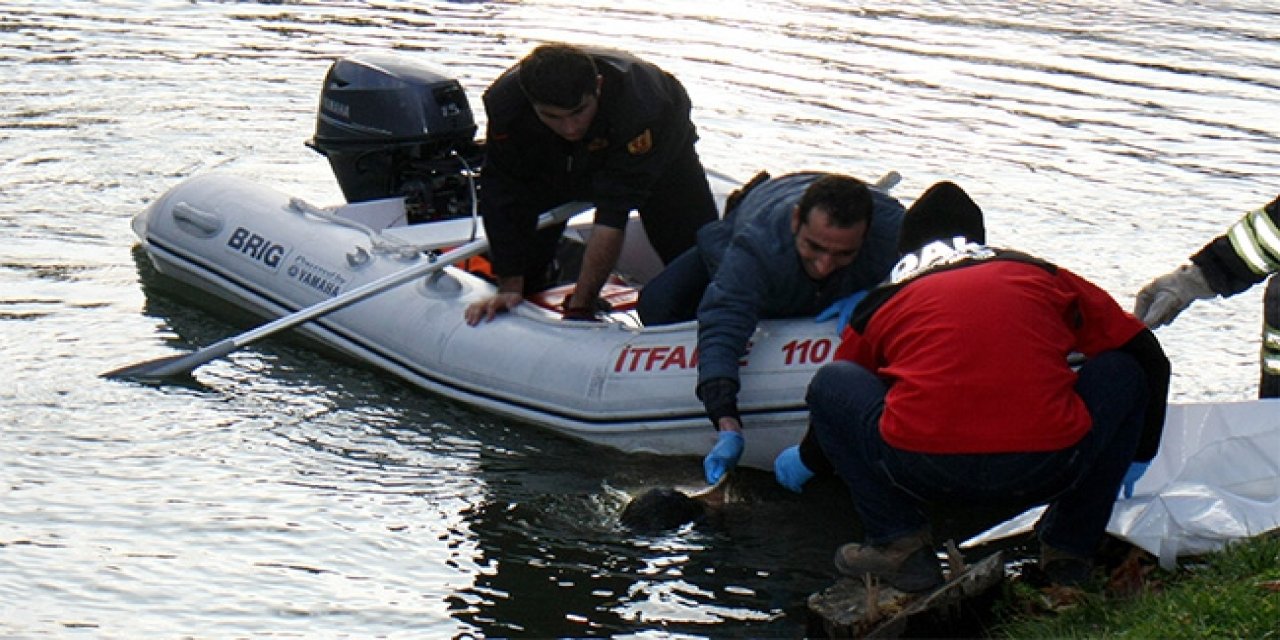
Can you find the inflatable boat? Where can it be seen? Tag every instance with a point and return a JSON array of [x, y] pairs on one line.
[[408, 179], [613, 382]]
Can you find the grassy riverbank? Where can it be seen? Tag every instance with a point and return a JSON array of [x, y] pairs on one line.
[[1231, 594]]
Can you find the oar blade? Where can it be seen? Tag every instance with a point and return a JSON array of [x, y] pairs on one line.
[[151, 371], [171, 368]]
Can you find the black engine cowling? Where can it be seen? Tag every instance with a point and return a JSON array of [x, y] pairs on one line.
[[394, 128]]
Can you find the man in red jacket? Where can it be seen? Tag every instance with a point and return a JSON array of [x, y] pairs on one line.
[[952, 385]]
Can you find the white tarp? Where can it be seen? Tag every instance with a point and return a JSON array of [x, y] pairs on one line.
[[1215, 479]]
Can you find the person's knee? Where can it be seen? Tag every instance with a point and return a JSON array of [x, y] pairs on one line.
[[1114, 388], [655, 310], [826, 382], [1118, 362], [842, 391], [1119, 371], [673, 295], [839, 377]]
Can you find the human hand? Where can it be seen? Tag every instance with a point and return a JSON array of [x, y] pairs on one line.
[[1158, 303], [502, 302], [723, 456], [841, 309], [579, 314], [790, 470], [586, 312], [1131, 477]]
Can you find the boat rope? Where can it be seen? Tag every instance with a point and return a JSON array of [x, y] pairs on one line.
[[471, 186], [378, 243]]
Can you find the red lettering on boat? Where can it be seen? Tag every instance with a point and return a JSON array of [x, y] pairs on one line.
[[654, 355], [656, 358], [676, 359]]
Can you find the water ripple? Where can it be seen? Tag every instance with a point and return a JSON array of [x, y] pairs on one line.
[[286, 493]]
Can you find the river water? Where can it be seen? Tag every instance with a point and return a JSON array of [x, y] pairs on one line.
[[295, 496]]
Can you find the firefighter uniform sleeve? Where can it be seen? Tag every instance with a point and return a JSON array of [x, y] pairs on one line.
[[1246, 254]]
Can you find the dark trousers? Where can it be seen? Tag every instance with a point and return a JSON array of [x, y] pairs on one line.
[[674, 294], [678, 205], [1269, 381], [890, 486]]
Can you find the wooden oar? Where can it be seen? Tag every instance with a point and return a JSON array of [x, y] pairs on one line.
[[181, 365]]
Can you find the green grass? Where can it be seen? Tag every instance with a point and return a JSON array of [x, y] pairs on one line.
[[1231, 594]]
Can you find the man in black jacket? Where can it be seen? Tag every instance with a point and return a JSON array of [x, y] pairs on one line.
[[569, 123]]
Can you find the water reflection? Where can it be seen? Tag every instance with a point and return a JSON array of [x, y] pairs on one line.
[[552, 559]]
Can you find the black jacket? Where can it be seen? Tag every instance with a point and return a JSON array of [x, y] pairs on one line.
[[643, 123], [1224, 269]]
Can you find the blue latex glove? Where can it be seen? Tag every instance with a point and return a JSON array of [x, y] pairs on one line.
[[724, 456], [790, 470], [841, 309], [1131, 477]]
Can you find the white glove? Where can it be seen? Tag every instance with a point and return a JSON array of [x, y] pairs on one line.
[[1165, 297]]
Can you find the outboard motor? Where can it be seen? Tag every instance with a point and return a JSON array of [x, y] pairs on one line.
[[393, 128]]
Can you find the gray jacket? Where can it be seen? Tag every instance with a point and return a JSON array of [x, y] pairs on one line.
[[757, 273]]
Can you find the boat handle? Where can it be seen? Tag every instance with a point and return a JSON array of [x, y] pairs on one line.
[[359, 257], [205, 223]]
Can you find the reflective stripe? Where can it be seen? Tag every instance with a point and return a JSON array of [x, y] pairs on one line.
[[1271, 339], [1256, 240], [1271, 364], [1268, 236], [1270, 355]]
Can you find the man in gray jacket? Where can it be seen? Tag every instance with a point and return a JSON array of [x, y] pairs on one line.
[[790, 246]]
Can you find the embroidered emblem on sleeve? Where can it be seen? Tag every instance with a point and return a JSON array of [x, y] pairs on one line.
[[641, 144]]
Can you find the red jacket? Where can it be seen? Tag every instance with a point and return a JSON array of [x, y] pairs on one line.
[[976, 356]]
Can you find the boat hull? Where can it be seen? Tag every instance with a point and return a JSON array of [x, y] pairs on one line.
[[612, 383]]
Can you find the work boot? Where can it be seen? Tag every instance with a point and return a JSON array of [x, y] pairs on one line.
[[908, 564], [1063, 568]]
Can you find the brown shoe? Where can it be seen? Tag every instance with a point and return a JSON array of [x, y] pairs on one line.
[[908, 564]]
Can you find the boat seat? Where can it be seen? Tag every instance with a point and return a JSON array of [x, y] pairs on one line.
[[620, 296]]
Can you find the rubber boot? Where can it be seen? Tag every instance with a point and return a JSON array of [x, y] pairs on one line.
[[908, 564]]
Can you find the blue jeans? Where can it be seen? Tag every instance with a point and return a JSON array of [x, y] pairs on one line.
[[675, 293], [891, 486]]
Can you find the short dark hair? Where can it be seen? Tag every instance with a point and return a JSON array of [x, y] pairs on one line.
[[557, 74], [847, 200]]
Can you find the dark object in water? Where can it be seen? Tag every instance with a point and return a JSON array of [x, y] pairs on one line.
[[662, 509]]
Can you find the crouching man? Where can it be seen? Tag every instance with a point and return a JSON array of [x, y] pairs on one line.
[[952, 385]]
